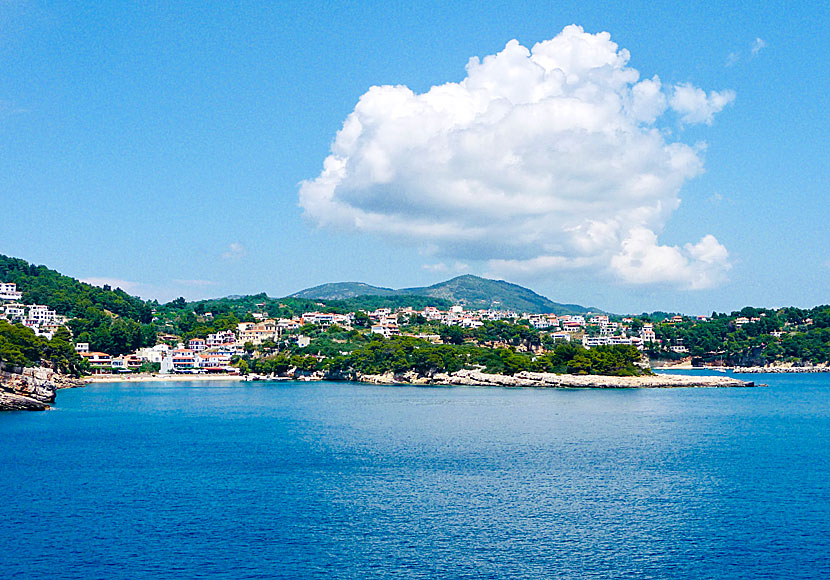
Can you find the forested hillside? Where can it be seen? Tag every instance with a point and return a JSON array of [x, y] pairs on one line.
[[109, 320], [750, 336], [473, 292], [20, 347]]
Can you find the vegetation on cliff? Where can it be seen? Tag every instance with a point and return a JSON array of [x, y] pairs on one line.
[[21, 347]]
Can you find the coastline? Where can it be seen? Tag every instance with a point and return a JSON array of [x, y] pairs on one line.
[[151, 378], [775, 370], [468, 377], [550, 380], [686, 364]]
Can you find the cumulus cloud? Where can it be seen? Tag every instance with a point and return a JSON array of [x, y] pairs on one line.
[[695, 106], [540, 160], [695, 266], [444, 267], [235, 251]]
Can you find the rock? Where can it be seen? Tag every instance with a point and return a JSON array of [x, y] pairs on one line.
[[31, 389], [753, 370]]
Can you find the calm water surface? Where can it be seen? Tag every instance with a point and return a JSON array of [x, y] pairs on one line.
[[294, 480]]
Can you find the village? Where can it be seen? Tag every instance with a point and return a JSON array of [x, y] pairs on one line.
[[219, 352], [214, 353]]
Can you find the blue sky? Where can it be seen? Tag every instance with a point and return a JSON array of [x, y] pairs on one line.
[[165, 147]]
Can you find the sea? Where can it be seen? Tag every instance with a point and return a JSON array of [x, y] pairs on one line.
[[335, 480]]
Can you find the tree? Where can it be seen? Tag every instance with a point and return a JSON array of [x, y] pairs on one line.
[[452, 334], [362, 320]]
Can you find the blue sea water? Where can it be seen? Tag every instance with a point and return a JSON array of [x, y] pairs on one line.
[[331, 480]]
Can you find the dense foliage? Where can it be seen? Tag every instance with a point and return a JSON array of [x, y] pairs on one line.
[[243, 306], [20, 347], [109, 320], [803, 336], [377, 355], [68, 296]]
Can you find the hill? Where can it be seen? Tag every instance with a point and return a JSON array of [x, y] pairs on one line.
[[342, 291], [290, 306], [110, 320], [473, 292], [68, 296]]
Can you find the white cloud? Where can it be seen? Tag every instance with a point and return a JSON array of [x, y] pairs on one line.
[[235, 251], [757, 46], [540, 160], [695, 106], [695, 266], [444, 267]]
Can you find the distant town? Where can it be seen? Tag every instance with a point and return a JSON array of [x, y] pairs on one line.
[[232, 349]]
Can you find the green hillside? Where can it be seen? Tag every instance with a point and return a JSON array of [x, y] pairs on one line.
[[68, 296], [342, 291], [473, 292], [109, 320], [290, 306]]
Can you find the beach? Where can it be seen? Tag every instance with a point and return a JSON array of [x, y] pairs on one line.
[[146, 377]]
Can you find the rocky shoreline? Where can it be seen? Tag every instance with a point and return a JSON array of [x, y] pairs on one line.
[[31, 389], [550, 380], [755, 370]]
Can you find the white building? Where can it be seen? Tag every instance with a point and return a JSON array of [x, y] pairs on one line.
[[14, 312], [155, 354], [40, 315], [256, 333], [213, 361], [221, 338], [386, 330], [197, 344], [8, 291], [592, 341]]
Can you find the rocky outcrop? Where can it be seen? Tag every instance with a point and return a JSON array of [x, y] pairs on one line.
[[31, 389], [529, 379]]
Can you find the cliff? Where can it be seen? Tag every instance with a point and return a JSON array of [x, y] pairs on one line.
[[31, 389]]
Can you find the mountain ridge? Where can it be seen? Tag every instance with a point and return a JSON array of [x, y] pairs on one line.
[[474, 292]]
